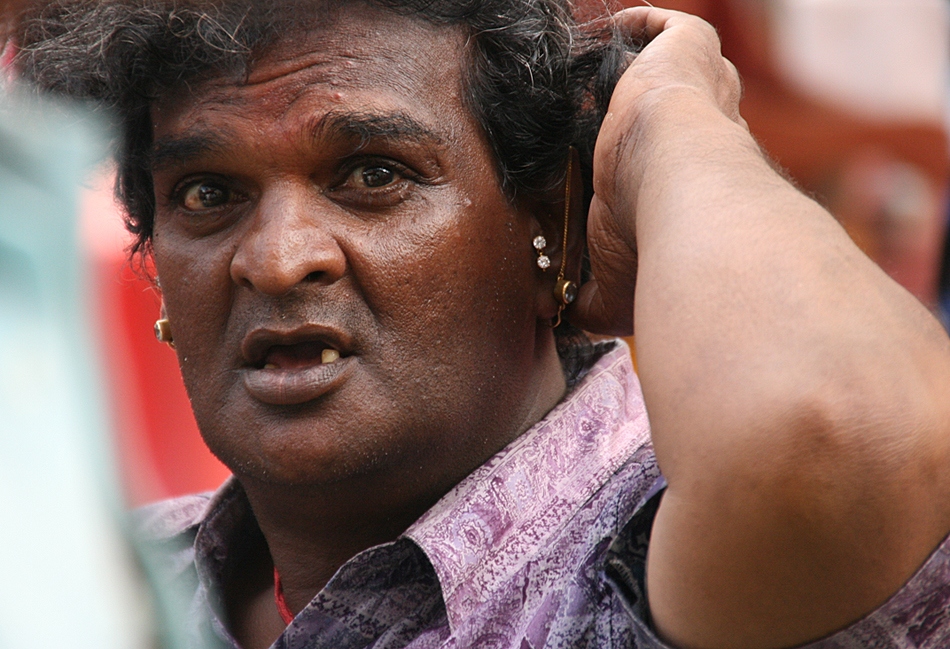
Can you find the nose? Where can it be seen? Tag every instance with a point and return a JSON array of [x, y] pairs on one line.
[[287, 243]]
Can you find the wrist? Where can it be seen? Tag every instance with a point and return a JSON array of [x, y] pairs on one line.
[[678, 135], [657, 141], [676, 121]]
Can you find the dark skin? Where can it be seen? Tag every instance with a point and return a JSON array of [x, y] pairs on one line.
[[360, 327], [278, 238], [8, 12]]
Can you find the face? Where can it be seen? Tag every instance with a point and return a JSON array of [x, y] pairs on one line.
[[349, 289]]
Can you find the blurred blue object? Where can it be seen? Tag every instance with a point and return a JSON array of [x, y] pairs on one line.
[[69, 575]]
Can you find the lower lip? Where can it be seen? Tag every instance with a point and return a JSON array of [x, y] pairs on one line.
[[296, 386]]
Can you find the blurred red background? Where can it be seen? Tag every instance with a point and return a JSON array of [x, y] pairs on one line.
[[160, 451]]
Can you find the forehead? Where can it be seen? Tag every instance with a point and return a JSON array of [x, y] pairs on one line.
[[352, 57]]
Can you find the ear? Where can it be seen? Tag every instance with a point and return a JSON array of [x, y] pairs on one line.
[[563, 206]]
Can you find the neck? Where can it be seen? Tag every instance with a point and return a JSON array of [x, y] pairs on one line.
[[312, 531]]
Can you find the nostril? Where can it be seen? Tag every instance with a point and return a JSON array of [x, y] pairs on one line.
[[280, 252]]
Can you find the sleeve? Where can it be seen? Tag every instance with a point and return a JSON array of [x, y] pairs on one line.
[[917, 616]]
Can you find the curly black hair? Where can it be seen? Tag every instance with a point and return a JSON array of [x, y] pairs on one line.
[[537, 82]]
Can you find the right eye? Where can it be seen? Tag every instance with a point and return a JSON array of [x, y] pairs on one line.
[[205, 195]]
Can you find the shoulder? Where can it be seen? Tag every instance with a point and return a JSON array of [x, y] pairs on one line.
[[166, 534], [167, 519]]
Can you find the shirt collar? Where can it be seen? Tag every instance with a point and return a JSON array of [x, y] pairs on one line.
[[505, 512]]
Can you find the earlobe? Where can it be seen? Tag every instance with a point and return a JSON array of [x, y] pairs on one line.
[[163, 329], [545, 307]]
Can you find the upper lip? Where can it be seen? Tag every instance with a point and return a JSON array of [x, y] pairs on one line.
[[260, 341]]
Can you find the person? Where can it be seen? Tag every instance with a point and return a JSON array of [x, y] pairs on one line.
[[365, 218]]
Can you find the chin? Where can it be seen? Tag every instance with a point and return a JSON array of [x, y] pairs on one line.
[[307, 459]]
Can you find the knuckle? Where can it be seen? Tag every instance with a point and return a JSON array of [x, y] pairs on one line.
[[708, 31]]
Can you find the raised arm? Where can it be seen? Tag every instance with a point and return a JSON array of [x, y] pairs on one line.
[[799, 398]]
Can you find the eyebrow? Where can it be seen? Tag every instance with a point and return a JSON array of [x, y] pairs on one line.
[[367, 126], [167, 151], [361, 127]]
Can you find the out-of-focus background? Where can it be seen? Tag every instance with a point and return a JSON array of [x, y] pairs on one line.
[[849, 96]]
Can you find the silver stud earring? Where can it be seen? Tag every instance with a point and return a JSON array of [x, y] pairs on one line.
[[540, 243]]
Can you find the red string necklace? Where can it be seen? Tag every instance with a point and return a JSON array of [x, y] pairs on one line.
[[285, 613]]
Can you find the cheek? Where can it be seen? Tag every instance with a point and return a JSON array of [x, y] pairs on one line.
[[456, 298], [195, 284]]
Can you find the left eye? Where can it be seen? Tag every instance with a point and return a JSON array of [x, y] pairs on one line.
[[204, 196], [373, 176], [378, 176]]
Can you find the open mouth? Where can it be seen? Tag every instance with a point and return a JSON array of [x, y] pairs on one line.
[[301, 348], [298, 356], [294, 367]]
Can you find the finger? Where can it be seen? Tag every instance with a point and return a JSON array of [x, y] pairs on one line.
[[734, 75], [598, 311], [734, 89], [605, 304], [650, 22]]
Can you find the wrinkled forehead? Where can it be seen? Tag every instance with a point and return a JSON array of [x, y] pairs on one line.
[[346, 50]]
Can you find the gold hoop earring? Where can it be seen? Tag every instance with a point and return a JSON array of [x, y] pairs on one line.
[[163, 332], [565, 291]]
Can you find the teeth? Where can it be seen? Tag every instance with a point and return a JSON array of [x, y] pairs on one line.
[[270, 366], [330, 356]]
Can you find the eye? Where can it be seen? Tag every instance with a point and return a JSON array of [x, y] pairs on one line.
[[374, 183], [373, 176], [378, 176], [205, 195]]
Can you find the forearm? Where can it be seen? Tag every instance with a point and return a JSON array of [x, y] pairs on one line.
[[750, 294], [796, 394]]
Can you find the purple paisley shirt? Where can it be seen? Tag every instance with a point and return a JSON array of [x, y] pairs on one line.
[[543, 546]]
